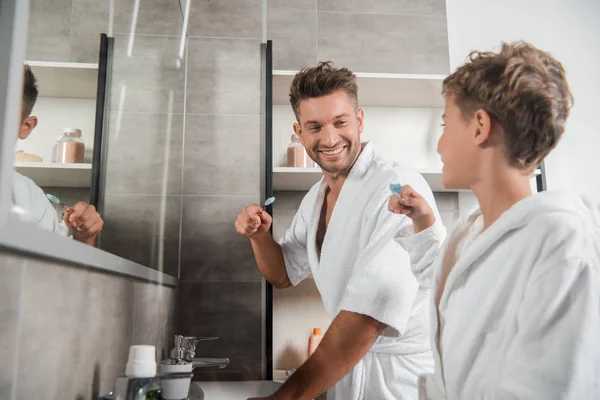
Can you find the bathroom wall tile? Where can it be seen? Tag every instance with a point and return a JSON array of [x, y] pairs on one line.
[[284, 210], [218, 147], [49, 30], [133, 229], [231, 311], [406, 7], [144, 153], [211, 249], [149, 80], [90, 19], [75, 318], [305, 5], [11, 267], [224, 76], [385, 43], [154, 316], [294, 36], [226, 18], [154, 17]]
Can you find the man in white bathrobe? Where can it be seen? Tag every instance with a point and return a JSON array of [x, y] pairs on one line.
[[377, 344], [516, 288]]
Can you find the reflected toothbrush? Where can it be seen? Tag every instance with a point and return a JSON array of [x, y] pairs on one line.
[[56, 200]]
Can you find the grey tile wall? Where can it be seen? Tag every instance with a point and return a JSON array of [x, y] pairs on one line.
[[221, 289], [304, 5], [149, 79], [387, 36], [76, 326], [145, 153], [403, 7], [49, 36], [226, 18], [224, 76], [11, 271], [69, 30], [211, 249], [385, 43], [143, 229], [218, 147], [233, 312], [294, 35]]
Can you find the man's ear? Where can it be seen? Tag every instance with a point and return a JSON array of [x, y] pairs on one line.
[[360, 116], [27, 126], [298, 130], [483, 127]]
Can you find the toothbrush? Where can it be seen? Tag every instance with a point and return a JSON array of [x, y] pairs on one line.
[[56, 200], [268, 202], [396, 188]]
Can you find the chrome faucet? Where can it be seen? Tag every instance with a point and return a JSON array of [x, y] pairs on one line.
[[185, 348]]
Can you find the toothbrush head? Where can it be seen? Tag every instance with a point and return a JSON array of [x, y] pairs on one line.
[[395, 188], [52, 198], [269, 201]]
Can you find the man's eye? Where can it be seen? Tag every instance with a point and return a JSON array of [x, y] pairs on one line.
[[341, 123], [313, 128]]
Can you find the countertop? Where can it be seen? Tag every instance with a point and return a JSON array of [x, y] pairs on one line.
[[232, 390]]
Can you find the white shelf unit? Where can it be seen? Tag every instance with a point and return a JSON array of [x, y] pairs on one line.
[[302, 179], [57, 175], [65, 80], [379, 90]]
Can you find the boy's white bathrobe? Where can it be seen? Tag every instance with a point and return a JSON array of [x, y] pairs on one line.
[[362, 270], [519, 317]]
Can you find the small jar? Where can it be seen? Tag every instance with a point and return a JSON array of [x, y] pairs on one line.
[[296, 154], [71, 147]]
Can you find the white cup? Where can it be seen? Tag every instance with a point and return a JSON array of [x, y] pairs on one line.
[[175, 389]]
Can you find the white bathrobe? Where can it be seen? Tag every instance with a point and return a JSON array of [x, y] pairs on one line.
[[362, 270], [519, 317]]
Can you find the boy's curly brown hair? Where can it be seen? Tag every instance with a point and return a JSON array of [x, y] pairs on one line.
[[524, 90]]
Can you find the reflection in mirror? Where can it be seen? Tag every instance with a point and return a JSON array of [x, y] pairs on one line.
[[98, 155]]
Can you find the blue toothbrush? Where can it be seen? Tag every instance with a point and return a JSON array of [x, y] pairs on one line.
[[396, 188], [56, 200], [268, 202]]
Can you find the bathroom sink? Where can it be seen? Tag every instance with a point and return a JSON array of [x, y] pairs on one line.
[[231, 390]]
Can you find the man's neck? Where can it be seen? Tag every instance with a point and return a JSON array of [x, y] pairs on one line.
[[335, 180], [500, 192]]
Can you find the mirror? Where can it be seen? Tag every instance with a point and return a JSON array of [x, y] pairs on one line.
[[99, 152]]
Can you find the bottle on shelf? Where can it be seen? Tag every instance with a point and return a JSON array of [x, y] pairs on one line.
[[296, 154], [70, 148]]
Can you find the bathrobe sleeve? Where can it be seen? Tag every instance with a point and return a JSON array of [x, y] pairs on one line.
[[381, 285], [293, 244], [423, 249], [556, 351]]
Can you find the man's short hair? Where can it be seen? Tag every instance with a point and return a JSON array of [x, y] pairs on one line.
[[322, 80]]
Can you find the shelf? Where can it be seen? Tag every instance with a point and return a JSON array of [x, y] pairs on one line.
[[379, 90], [302, 179], [57, 175], [65, 80]]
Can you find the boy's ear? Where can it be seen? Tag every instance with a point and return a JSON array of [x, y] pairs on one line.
[[27, 126]]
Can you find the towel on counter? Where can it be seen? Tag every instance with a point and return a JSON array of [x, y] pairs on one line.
[[519, 316], [360, 269]]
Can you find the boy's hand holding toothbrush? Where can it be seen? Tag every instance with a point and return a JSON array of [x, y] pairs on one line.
[[406, 201]]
